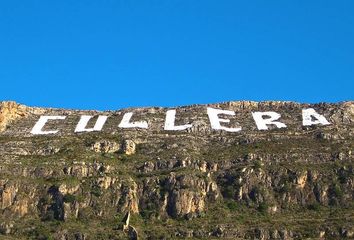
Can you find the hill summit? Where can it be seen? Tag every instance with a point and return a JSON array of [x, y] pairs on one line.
[[233, 170]]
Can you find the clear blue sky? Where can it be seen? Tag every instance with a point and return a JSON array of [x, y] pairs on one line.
[[112, 54]]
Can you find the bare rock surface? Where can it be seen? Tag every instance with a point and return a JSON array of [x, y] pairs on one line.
[[199, 183]]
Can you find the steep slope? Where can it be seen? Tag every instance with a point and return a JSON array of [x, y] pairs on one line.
[[117, 180]]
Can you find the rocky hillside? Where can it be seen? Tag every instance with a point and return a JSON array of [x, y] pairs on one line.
[[110, 181]]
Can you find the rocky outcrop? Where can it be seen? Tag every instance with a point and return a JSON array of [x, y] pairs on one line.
[[8, 193], [188, 194], [129, 147], [105, 146], [10, 111], [199, 183]]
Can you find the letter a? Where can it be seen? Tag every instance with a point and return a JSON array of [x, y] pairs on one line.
[[308, 114], [81, 126]]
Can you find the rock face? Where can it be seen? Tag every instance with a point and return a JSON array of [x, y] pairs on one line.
[[10, 111], [105, 146], [129, 147], [200, 183]]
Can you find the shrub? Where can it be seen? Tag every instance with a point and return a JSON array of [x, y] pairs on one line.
[[286, 188], [48, 216], [314, 206], [229, 192], [257, 165], [96, 191], [42, 233], [232, 205], [69, 198], [338, 192], [263, 207]]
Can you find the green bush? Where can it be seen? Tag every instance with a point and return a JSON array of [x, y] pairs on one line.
[[69, 198], [96, 191], [48, 216], [257, 165], [232, 205], [229, 192], [314, 206], [338, 192], [85, 215], [42, 233], [263, 207]]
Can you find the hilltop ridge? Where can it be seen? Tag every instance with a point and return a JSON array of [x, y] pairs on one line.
[[232, 170], [338, 113]]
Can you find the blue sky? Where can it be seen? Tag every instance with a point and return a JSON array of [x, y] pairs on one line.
[[115, 54]]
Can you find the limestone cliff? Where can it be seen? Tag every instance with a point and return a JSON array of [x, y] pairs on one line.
[[10, 111], [294, 182]]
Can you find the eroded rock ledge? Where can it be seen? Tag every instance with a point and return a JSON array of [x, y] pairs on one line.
[[290, 183]]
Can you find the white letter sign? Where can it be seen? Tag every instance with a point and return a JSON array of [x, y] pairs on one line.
[[170, 122], [125, 123], [308, 114], [37, 129], [215, 120], [262, 123], [81, 126]]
